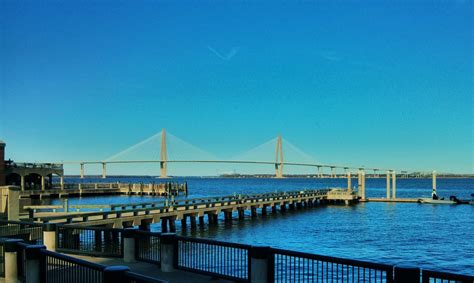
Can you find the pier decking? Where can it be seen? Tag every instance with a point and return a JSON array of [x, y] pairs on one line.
[[167, 214]]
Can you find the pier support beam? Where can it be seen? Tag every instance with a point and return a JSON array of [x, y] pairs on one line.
[[253, 211], [388, 185], [349, 182], [319, 172], [228, 215], [172, 224], [184, 222], [104, 170], [394, 184], [82, 170], [193, 221], [61, 182], [22, 183], [241, 212], [43, 183], [361, 183], [144, 226], [164, 225], [279, 159], [163, 156]]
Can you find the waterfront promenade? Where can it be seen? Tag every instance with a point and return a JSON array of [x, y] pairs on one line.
[[132, 256]]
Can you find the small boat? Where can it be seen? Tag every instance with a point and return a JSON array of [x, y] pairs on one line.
[[436, 201]]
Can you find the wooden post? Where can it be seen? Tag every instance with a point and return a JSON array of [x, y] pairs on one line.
[[394, 184], [349, 182], [193, 221], [164, 225], [82, 170], [388, 184], [104, 174]]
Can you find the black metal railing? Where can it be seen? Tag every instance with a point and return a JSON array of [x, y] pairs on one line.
[[429, 276], [147, 246], [226, 260], [58, 268], [21, 260], [290, 266], [2, 258], [95, 241], [28, 231]]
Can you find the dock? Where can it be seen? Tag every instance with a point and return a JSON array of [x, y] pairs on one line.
[[95, 189], [182, 210]]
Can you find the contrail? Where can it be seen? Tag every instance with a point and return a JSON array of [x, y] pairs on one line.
[[227, 57]]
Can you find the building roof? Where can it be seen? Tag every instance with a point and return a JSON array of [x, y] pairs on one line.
[[2, 142]]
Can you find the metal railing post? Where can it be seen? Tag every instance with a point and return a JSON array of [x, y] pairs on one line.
[[11, 264], [406, 274], [115, 274], [169, 252], [33, 271], [129, 246], [49, 236], [261, 265]]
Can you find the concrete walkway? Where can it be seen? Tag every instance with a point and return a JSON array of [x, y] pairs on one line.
[[154, 271]]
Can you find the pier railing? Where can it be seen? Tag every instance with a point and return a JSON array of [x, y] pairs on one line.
[[147, 246], [224, 259], [96, 241], [238, 262], [304, 267], [429, 276], [36, 264], [28, 231]]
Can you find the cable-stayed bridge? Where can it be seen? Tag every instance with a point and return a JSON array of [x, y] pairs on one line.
[[162, 149]]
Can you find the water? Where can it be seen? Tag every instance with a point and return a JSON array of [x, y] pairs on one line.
[[438, 237]]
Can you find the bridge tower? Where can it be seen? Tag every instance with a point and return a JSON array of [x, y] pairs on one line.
[[279, 158], [163, 155]]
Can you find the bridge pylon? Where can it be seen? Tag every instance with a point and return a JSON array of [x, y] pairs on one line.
[[279, 158], [163, 156]]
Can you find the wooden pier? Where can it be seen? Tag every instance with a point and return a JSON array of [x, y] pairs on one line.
[[181, 210], [94, 189]]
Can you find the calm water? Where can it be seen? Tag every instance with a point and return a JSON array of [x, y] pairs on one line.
[[429, 236]]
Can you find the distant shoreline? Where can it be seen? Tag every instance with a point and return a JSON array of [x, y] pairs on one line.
[[271, 177]]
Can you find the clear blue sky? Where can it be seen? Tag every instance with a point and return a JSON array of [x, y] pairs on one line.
[[388, 83]]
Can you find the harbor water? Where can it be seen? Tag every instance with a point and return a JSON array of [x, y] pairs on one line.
[[439, 237]]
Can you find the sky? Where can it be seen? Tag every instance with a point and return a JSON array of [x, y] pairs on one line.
[[373, 83]]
